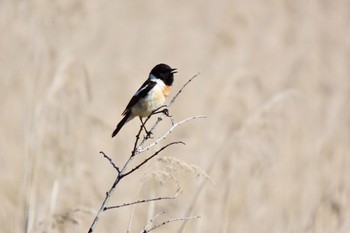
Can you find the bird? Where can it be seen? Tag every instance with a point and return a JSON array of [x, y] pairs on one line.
[[150, 96]]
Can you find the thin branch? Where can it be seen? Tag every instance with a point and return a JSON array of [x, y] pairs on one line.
[[108, 195], [138, 136], [143, 201], [157, 216], [139, 150], [110, 161], [152, 220], [149, 158], [178, 93], [143, 127], [169, 221]]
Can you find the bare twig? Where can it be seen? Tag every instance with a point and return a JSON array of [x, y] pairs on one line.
[[143, 201], [168, 221], [181, 89], [149, 158], [140, 150], [152, 220], [142, 127], [110, 160]]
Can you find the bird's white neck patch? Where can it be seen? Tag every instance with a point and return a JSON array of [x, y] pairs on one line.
[[157, 80]]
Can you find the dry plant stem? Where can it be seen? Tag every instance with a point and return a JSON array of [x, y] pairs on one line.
[[143, 201], [149, 158], [153, 219], [108, 195], [110, 161], [178, 93], [140, 150], [169, 221]]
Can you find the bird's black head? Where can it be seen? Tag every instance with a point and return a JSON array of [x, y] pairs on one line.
[[165, 73]]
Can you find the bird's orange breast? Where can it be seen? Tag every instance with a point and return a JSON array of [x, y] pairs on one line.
[[166, 90]]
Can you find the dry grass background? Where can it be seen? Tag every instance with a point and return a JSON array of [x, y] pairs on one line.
[[275, 79]]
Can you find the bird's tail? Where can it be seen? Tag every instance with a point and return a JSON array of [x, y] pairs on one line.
[[121, 123]]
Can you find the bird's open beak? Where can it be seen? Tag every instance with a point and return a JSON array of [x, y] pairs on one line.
[[173, 71]]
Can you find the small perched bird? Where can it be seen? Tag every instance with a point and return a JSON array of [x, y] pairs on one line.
[[150, 96]]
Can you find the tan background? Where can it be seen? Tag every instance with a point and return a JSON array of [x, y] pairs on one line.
[[274, 83]]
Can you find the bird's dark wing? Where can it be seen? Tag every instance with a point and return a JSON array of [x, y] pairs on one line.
[[141, 93]]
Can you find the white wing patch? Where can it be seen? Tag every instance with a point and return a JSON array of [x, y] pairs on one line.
[[152, 78], [141, 89]]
